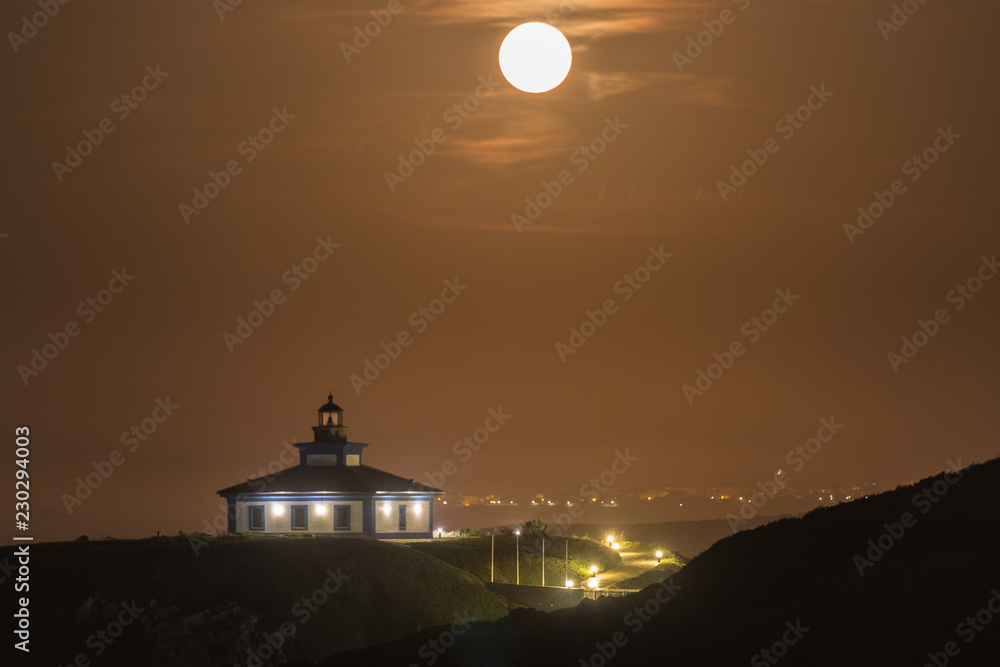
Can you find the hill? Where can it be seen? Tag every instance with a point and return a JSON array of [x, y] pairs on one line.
[[472, 554], [902, 578], [241, 600], [688, 538]]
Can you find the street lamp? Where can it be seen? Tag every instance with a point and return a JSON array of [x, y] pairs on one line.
[[616, 546], [609, 539], [659, 556], [517, 554]]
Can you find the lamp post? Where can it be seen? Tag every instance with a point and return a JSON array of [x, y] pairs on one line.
[[517, 554], [567, 562], [543, 560], [493, 539]]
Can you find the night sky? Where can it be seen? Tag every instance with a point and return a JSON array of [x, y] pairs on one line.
[[248, 160]]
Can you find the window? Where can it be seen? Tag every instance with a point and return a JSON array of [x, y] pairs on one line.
[[300, 517], [256, 517], [402, 517], [341, 517]]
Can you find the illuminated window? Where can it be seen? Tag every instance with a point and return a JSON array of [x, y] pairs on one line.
[[256, 517], [300, 517], [341, 517]]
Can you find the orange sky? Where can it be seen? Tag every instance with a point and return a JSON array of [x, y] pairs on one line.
[[335, 128]]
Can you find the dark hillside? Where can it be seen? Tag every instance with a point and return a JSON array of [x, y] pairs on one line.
[[312, 596], [744, 595]]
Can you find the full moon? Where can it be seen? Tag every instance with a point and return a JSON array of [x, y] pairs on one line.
[[535, 57]]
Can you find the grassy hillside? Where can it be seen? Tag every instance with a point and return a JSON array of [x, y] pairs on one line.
[[689, 538], [472, 554], [747, 593], [213, 608], [669, 566]]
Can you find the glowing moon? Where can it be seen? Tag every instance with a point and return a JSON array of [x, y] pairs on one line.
[[535, 57]]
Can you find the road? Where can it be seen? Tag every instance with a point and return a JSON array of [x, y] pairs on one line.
[[633, 563]]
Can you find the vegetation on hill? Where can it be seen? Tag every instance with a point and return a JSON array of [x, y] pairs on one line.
[[472, 554], [902, 578], [670, 565], [310, 596]]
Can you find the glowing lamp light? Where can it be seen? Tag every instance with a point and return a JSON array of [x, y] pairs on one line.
[[616, 546], [592, 582], [610, 538], [569, 583], [416, 509], [659, 555], [278, 510], [517, 532], [321, 510], [593, 569], [386, 509]]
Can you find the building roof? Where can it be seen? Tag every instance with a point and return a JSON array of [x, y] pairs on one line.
[[330, 406], [329, 479]]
